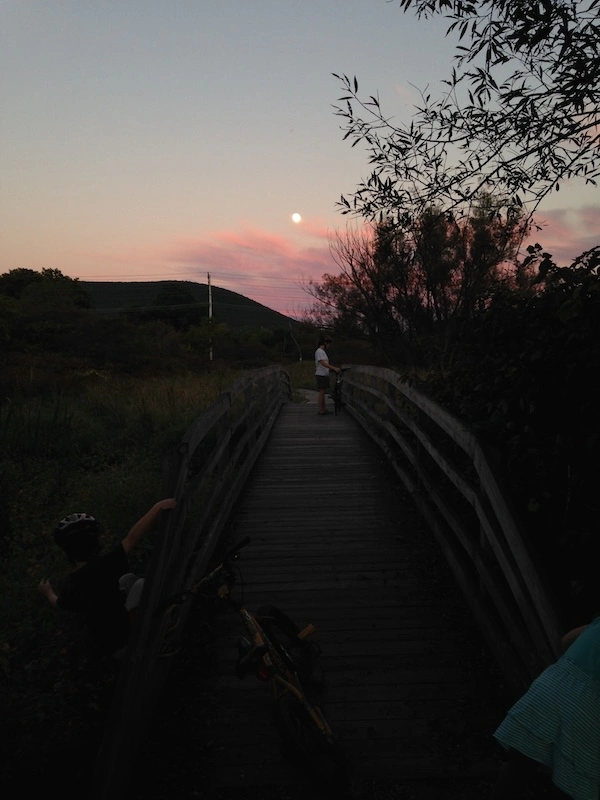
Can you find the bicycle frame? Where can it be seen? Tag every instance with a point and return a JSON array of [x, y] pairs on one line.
[[337, 390], [274, 669], [272, 650], [277, 672]]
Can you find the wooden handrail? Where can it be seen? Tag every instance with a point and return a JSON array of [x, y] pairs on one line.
[[440, 461], [445, 468], [206, 473]]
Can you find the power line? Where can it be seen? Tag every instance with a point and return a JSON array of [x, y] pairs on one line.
[[239, 277], [280, 290]]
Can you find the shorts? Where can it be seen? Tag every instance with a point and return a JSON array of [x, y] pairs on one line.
[[322, 382]]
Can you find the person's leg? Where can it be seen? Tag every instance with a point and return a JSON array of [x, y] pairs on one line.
[[322, 386], [321, 401]]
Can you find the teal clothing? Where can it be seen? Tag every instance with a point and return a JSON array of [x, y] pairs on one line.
[[557, 721]]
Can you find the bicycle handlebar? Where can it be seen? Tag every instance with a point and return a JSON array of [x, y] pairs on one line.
[[179, 598]]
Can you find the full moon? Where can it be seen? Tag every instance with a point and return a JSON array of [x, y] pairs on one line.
[[296, 218]]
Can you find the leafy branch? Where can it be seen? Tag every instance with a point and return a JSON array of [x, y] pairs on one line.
[[520, 113]]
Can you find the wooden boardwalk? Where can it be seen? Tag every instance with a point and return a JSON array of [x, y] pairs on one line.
[[411, 690]]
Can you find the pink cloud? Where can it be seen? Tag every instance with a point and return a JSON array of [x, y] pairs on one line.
[[266, 267], [566, 233], [273, 268]]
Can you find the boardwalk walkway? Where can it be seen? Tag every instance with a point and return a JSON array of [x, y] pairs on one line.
[[411, 689]]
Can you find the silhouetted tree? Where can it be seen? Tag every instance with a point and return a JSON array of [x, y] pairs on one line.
[[47, 309], [14, 282], [520, 111], [52, 283], [411, 290]]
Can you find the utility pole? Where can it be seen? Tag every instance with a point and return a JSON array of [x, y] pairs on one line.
[[210, 347]]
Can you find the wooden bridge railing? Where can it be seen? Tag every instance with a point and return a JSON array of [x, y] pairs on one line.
[[453, 483], [206, 473], [443, 466]]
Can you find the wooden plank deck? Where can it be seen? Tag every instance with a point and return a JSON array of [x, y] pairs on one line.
[[336, 541]]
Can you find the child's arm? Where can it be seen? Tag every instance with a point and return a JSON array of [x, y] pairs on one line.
[[46, 589], [568, 639], [143, 525]]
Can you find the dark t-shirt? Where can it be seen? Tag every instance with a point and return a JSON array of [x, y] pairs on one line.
[[93, 592]]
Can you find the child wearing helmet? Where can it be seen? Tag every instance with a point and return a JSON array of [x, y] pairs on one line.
[[100, 588]]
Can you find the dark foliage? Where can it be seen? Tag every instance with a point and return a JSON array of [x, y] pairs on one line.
[[517, 115], [134, 327], [408, 289], [525, 376]]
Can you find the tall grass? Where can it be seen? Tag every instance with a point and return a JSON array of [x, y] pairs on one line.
[[94, 446], [302, 376], [34, 427]]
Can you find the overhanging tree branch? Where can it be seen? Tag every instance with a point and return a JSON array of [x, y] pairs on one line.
[[521, 112]]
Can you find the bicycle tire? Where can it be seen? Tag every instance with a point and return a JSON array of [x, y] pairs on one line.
[[300, 656], [337, 400], [309, 748]]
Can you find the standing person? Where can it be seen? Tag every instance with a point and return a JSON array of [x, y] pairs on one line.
[[100, 588], [322, 370], [556, 724]]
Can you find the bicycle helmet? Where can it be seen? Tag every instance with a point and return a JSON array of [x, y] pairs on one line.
[[77, 536]]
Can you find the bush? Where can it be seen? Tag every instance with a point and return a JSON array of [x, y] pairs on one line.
[[525, 378]]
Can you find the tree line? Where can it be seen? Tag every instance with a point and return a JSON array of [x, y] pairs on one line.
[[46, 312]]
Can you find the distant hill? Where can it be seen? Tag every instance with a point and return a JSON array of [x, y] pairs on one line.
[[230, 308]]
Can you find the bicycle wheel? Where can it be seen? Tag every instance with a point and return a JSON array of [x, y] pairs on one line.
[[307, 746], [300, 656]]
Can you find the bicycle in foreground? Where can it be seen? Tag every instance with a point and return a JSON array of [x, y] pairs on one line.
[[337, 391], [278, 652]]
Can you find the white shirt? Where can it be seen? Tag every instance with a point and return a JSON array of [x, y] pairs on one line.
[[321, 355]]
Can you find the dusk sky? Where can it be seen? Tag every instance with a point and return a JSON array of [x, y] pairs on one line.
[[166, 139]]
